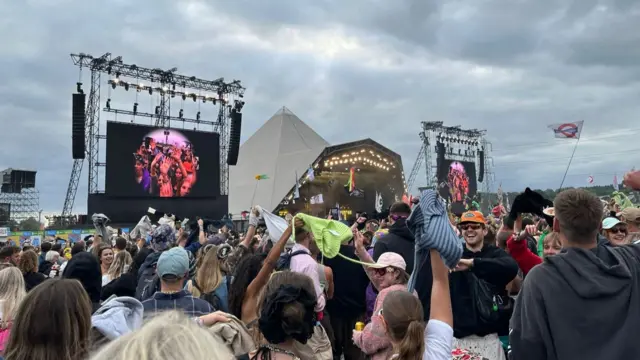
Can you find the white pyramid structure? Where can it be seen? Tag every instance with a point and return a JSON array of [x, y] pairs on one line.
[[283, 147]]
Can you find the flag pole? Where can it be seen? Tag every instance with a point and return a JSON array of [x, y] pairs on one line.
[[255, 189], [569, 165]]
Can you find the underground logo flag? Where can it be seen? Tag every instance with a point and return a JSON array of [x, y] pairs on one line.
[[568, 130]]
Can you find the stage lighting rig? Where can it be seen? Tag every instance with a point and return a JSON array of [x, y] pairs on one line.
[[181, 114], [135, 108], [109, 104]]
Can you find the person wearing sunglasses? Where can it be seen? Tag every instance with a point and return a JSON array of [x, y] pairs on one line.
[[615, 231], [495, 268]]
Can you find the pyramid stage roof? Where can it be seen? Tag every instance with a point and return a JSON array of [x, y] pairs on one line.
[[283, 149]]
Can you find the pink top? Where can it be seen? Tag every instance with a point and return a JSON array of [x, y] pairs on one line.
[[373, 340], [305, 264]]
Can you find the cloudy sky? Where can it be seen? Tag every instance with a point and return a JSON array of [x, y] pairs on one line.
[[350, 70]]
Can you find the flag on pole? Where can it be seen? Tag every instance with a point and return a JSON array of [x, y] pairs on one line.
[[568, 130], [296, 192], [351, 184], [616, 187], [261, 177], [310, 174], [378, 205]]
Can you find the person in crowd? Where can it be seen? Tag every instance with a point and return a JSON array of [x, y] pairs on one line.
[[75, 249], [615, 231], [347, 306], [85, 268], [10, 255], [491, 268], [120, 245], [119, 266], [287, 316], [251, 275], [12, 292], [28, 247], [209, 283], [38, 335], [388, 274], [29, 267], [518, 249], [631, 217], [44, 249], [169, 336], [57, 247], [148, 282], [581, 303], [551, 244], [49, 267], [400, 240], [403, 320], [172, 269], [105, 256], [124, 285], [304, 263]]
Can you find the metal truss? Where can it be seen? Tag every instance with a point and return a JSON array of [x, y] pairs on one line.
[[150, 115], [168, 80], [23, 205]]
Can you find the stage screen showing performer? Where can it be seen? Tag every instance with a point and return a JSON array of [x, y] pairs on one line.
[[164, 163], [459, 186]]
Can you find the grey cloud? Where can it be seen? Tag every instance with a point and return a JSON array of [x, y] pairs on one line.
[[536, 63]]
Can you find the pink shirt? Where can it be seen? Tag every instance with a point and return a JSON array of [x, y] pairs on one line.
[[305, 264]]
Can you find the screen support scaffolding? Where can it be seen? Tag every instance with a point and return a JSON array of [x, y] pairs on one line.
[[167, 80]]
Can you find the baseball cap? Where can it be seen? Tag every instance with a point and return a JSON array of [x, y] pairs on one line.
[[390, 259], [472, 217], [631, 215], [174, 262], [610, 222]]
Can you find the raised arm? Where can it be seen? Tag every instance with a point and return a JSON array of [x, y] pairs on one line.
[[269, 265]]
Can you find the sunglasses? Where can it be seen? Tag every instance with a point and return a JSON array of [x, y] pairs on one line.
[[470, 227], [383, 271], [618, 230]]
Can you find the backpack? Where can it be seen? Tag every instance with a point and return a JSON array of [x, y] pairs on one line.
[[214, 297], [284, 262], [490, 307]]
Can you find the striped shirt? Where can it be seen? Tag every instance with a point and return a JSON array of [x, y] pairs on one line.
[[182, 301]]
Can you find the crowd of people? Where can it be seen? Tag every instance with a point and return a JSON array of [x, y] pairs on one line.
[[549, 283]]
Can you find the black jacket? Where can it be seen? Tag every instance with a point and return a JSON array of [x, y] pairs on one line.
[[349, 285], [148, 282], [400, 240], [33, 279], [580, 304], [496, 267]]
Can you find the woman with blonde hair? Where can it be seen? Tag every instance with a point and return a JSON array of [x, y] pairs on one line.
[[39, 335], [28, 265], [119, 266], [12, 292], [168, 336], [209, 283]]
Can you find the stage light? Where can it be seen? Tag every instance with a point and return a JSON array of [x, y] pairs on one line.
[[194, 97], [113, 85], [157, 110], [135, 108], [173, 86], [108, 104], [214, 101], [184, 96], [117, 75], [79, 87], [164, 89], [198, 116], [181, 114], [126, 86], [204, 99], [150, 90]]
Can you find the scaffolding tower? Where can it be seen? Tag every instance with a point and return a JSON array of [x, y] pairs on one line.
[[460, 144], [162, 81]]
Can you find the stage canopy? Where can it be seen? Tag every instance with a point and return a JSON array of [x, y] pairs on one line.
[[282, 149]]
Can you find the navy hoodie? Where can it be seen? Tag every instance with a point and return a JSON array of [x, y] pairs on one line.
[[580, 304]]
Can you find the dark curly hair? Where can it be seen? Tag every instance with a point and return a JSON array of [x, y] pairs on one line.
[[245, 271], [286, 310]]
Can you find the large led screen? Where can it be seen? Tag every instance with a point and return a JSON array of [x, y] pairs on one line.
[[459, 186], [155, 162]]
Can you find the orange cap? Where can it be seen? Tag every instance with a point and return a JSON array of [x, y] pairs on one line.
[[472, 217]]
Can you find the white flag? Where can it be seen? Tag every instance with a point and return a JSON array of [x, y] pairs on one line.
[[378, 202], [568, 130]]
